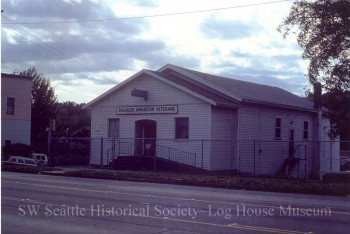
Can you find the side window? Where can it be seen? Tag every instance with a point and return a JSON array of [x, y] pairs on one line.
[[181, 128], [20, 160], [13, 160], [29, 161], [10, 110], [113, 128], [278, 128], [306, 130]]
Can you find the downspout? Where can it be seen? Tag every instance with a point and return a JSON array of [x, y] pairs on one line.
[[238, 140], [318, 106]]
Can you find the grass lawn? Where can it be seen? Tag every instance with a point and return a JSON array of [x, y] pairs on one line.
[[221, 181], [202, 179]]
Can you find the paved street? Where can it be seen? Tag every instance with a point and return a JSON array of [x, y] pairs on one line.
[[52, 204]]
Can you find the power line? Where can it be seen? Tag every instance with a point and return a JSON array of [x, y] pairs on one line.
[[47, 47], [151, 16]]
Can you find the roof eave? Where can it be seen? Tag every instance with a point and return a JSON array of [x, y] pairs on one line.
[[90, 104], [118, 86], [204, 82], [7, 75], [281, 106], [208, 100]]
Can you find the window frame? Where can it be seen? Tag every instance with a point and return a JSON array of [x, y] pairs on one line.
[[180, 135], [306, 130], [10, 106], [117, 128], [278, 129]]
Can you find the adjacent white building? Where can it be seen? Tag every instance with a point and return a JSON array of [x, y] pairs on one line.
[[225, 124], [16, 101]]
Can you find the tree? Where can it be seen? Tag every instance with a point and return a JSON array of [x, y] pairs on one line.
[[72, 120], [338, 104], [44, 104], [323, 28]]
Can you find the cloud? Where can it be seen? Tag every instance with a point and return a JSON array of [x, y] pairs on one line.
[[83, 57], [288, 63], [72, 47], [292, 81], [70, 79], [29, 11], [227, 29], [155, 60], [144, 3]]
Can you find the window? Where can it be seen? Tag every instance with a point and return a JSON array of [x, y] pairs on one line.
[[31, 162], [306, 130], [10, 106], [181, 128], [113, 128], [13, 160], [278, 128]]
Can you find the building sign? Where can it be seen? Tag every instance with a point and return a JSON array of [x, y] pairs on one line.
[[158, 109]]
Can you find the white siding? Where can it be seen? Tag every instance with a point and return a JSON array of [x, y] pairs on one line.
[[222, 139], [259, 151], [21, 90], [329, 150], [159, 93], [17, 131], [223, 136], [16, 127]]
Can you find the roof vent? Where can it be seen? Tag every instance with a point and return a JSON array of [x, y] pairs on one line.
[[139, 93]]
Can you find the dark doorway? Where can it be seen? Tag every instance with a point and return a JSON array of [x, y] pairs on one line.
[[145, 137]]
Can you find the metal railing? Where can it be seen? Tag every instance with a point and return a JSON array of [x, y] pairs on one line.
[[251, 157], [119, 148], [295, 163], [176, 155]]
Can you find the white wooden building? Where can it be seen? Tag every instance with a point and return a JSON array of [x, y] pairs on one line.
[[16, 101], [228, 124]]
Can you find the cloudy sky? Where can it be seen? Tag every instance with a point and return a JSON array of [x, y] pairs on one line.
[[86, 47]]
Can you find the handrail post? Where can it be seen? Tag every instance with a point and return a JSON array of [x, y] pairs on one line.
[[101, 152], [202, 154], [119, 145], [154, 162], [195, 159], [254, 156]]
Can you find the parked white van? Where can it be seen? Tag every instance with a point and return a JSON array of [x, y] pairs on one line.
[[41, 159]]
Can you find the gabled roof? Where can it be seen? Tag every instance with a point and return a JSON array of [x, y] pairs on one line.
[[219, 100], [219, 90], [247, 91], [212, 99]]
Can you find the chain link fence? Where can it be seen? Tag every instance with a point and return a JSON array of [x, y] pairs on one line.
[[344, 156], [301, 160]]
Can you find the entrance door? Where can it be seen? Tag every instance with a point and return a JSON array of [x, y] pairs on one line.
[[145, 137]]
